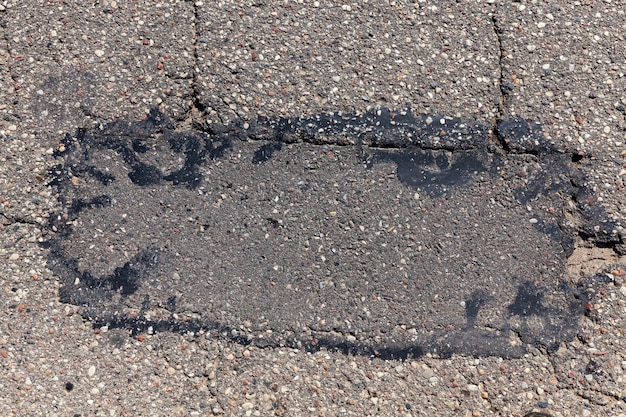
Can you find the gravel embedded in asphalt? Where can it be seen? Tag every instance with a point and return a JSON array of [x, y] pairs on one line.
[[54, 82]]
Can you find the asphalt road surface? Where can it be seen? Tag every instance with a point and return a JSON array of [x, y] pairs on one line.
[[313, 208]]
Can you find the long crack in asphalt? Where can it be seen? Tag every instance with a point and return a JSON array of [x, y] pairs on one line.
[[385, 233]]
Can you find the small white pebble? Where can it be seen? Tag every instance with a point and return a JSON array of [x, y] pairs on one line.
[[91, 371]]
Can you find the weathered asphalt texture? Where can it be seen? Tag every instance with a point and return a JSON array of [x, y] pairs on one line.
[[212, 67], [384, 234]]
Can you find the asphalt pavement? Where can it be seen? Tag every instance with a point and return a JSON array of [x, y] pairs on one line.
[[313, 208]]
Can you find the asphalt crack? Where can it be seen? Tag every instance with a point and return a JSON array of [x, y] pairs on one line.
[[191, 119], [505, 88], [18, 220], [497, 30]]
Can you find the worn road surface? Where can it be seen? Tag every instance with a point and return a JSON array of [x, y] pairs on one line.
[[313, 208]]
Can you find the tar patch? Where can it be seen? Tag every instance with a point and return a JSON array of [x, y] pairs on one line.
[[383, 234]]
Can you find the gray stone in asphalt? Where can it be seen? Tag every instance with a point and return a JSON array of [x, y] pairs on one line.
[[70, 66]]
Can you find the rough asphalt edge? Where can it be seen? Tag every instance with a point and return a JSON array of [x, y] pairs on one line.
[[374, 131]]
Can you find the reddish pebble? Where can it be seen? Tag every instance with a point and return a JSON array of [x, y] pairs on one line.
[[140, 338], [4, 353]]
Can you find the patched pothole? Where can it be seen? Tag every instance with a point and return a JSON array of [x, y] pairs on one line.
[[383, 233]]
